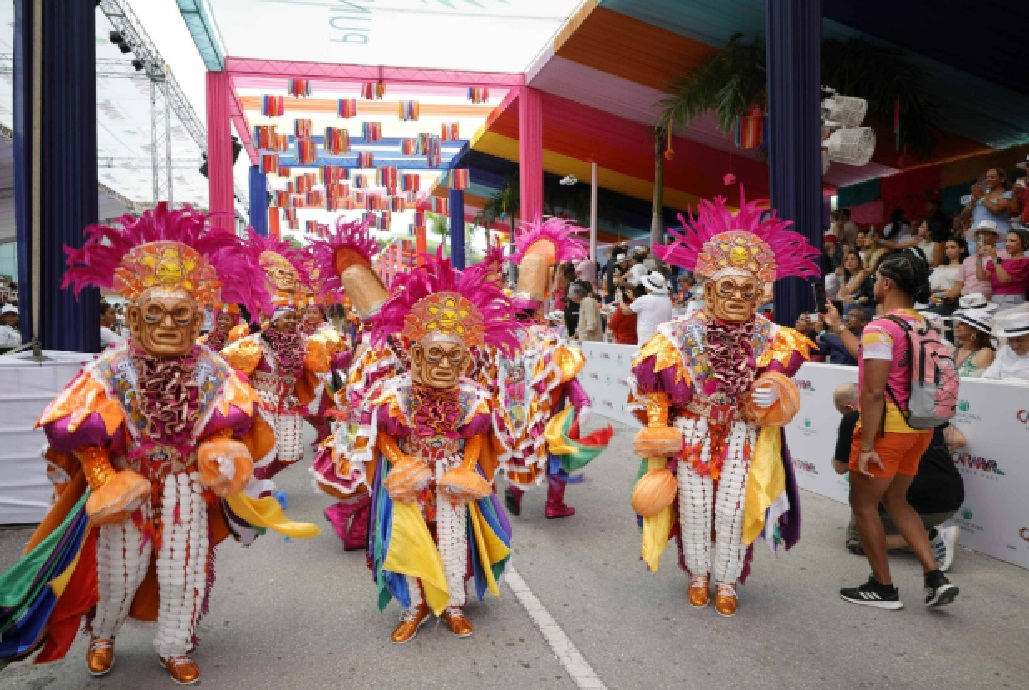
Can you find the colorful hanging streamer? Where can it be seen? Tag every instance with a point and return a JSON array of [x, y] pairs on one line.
[[411, 197], [337, 141], [451, 131], [292, 219], [410, 182], [407, 111], [299, 88], [332, 174], [376, 202], [282, 198], [297, 200], [478, 95], [281, 142], [315, 198], [302, 185], [373, 90], [312, 227], [371, 131], [365, 159], [264, 137], [459, 178], [397, 204], [269, 163], [302, 128], [386, 176], [307, 151], [273, 106], [359, 181], [346, 108], [409, 147], [284, 171], [419, 218], [750, 129], [440, 205]]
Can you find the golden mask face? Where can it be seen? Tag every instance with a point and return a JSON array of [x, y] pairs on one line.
[[439, 363], [280, 272], [733, 298], [165, 323]]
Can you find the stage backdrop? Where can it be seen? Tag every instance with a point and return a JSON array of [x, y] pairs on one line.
[[993, 415]]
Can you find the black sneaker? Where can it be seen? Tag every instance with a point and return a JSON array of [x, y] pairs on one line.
[[938, 589], [873, 594]]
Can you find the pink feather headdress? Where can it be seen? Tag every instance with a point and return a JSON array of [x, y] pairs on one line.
[[436, 299], [269, 252], [491, 268], [173, 249], [349, 244], [552, 239], [715, 239]]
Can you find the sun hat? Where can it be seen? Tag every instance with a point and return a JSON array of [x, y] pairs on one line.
[[1011, 323], [973, 300], [979, 319], [984, 225], [655, 283], [9, 309]]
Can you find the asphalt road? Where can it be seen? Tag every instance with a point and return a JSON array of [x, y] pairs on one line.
[[292, 615]]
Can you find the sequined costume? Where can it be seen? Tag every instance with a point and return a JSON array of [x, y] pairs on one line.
[[151, 449], [716, 390]]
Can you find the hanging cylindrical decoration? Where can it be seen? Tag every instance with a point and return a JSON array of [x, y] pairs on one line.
[[411, 196], [397, 204], [365, 159], [360, 198], [371, 218], [302, 185], [311, 227], [291, 187], [297, 200], [409, 147], [459, 178], [273, 221], [346, 108], [264, 137], [292, 218], [281, 143], [419, 218], [432, 148], [410, 182], [284, 171], [376, 202], [273, 106], [269, 163], [307, 151], [440, 205], [386, 176], [750, 129], [373, 90], [385, 220], [451, 131], [315, 198], [371, 131], [407, 111], [299, 88], [302, 128], [331, 174], [478, 95], [359, 181], [282, 198], [337, 141]]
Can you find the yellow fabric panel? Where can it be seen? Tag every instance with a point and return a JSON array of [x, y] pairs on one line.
[[656, 529], [665, 355], [491, 548], [554, 433], [570, 361], [243, 355], [320, 349], [783, 345], [266, 512], [411, 551], [59, 583], [765, 481]]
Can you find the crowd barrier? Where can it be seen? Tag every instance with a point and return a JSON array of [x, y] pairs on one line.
[[993, 415]]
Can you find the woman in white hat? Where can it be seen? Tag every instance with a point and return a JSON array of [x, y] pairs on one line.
[[10, 336], [975, 346], [1012, 361]]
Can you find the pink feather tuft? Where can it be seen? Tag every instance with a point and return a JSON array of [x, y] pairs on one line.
[[794, 254], [354, 236], [438, 275], [104, 247], [558, 231]]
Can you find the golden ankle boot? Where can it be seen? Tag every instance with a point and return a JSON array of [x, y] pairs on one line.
[[457, 622], [182, 669], [410, 621], [699, 591], [726, 602], [100, 656]]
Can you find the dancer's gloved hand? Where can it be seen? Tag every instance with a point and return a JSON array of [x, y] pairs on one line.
[[584, 416], [765, 395]]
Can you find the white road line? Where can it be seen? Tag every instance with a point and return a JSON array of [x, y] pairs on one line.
[[575, 664]]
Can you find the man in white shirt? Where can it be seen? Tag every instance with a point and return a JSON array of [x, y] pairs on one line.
[[107, 319], [652, 309], [10, 336], [1012, 360]]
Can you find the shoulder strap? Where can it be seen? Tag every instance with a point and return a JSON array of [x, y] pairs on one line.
[[907, 332]]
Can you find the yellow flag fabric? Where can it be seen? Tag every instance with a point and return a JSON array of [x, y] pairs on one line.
[[657, 528], [766, 481], [554, 433], [411, 551], [490, 548], [267, 512], [59, 583]]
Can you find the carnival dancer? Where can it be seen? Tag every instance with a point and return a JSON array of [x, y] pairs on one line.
[[539, 435], [350, 249], [314, 324], [427, 452], [714, 392], [283, 364], [150, 447], [227, 328]]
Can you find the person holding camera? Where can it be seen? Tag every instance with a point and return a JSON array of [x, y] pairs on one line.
[[622, 325]]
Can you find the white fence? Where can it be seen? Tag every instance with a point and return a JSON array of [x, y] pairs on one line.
[[993, 415]]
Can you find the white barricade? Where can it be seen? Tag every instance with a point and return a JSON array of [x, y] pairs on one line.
[[993, 415]]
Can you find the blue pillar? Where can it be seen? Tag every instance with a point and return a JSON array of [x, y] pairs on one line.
[[68, 167], [793, 35], [258, 201], [457, 227]]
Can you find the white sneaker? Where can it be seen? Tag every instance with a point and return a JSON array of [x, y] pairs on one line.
[[945, 546]]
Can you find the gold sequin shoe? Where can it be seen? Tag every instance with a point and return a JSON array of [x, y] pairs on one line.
[[410, 621], [100, 656], [699, 591], [725, 599], [181, 669], [457, 622]]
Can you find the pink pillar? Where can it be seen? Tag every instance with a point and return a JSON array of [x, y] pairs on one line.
[[530, 154], [219, 149]]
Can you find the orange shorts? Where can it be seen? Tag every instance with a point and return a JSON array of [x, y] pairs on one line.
[[898, 452]]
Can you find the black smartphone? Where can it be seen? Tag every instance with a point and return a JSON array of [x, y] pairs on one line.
[[820, 299]]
